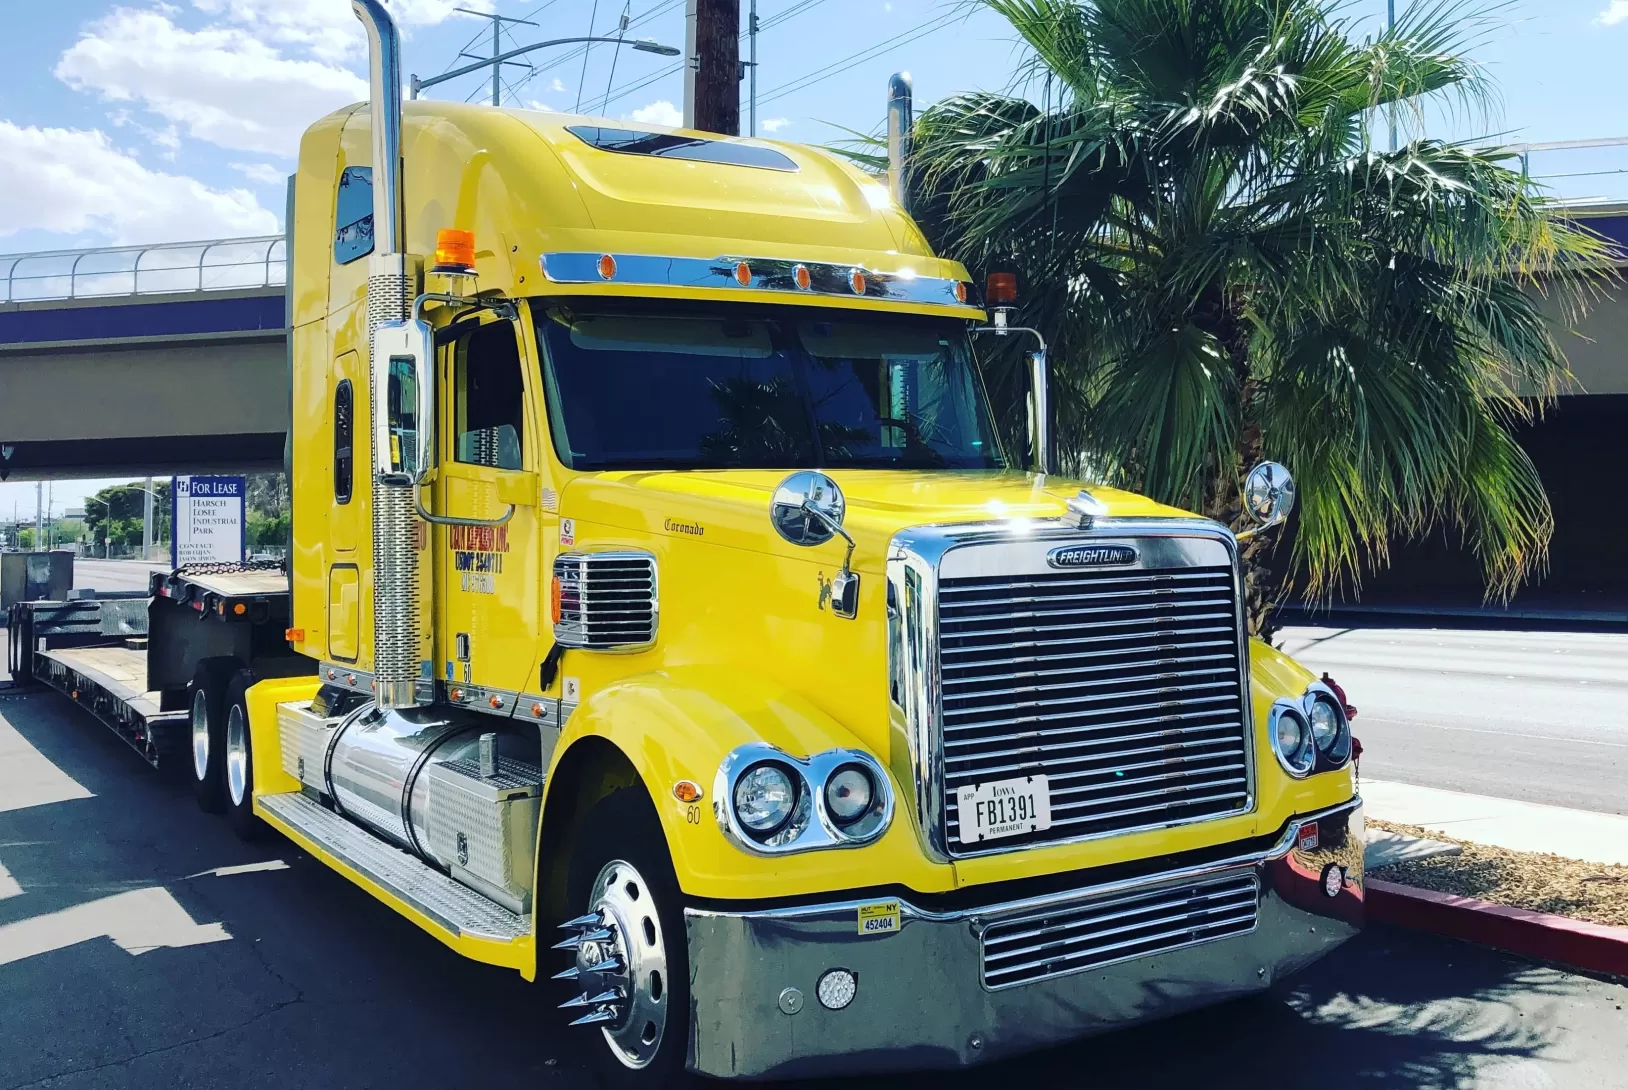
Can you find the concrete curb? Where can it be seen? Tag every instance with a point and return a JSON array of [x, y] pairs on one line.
[[1593, 947]]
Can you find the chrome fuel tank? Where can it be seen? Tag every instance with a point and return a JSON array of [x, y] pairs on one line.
[[418, 778]]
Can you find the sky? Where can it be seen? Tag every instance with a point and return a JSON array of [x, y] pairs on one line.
[[152, 121]]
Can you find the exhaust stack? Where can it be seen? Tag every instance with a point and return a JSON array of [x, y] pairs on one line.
[[400, 638], [900, 120]]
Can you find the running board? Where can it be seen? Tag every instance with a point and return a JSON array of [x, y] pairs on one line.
[[449, 905]]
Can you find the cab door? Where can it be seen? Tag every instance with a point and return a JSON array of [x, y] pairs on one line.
[[489, 572]]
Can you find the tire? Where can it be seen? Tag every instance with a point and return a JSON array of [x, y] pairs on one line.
[[206, 720], [239, 760], [619, 871], [20, 644]]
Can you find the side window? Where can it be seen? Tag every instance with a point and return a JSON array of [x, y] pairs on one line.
[[488, 398], [353, 215], [344, 440]]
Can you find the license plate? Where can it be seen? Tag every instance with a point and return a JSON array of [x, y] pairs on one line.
[[1002, 808]]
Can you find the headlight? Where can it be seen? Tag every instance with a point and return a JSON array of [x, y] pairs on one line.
[[765, 798], [1327, 724], [848, 794], [1291, 739]]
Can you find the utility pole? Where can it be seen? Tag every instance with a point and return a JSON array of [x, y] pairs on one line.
[[712, 78], [1390, 25], [147, 523], [39, 515], [497, 47], [751, 32]]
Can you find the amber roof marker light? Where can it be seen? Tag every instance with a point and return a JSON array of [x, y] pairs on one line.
[[1001, 296]]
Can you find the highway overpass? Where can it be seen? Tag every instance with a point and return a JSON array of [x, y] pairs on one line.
[[160, 360]]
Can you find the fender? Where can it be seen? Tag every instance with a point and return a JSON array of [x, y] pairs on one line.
[[679, 724]]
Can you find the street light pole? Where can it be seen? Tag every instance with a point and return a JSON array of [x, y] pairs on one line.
[[497, 45], [1390, 24], [643, 45]]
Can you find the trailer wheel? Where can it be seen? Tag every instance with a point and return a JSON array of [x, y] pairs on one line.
[[628, 973], [20, 644], [207, 720], [239, 760]]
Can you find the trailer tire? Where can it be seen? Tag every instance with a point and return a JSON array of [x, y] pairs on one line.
[[206, 722], [621, 844], [20, 644], [239, 760]]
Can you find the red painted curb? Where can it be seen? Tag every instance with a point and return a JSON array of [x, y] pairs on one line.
[[1595, 947]]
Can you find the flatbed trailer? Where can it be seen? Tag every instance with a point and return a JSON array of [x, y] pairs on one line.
[[128, 658]]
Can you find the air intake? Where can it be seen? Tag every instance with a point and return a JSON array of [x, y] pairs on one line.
[[605, 601]]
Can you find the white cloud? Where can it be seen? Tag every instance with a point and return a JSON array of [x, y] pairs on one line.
[[219, 84], [74, 181], [660, 112], [261, 173], [775, 124], [1616, 13], [559, 88], [326, 27]]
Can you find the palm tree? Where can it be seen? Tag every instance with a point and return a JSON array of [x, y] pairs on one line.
[[1228, 269]]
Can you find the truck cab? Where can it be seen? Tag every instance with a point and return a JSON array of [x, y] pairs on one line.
[[683, 632]]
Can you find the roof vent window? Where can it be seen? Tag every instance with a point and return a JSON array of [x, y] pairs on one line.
[[666, 145]]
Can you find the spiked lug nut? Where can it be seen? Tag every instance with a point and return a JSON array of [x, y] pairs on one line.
[[609, 965], [592, 919], [599, 934], [568, 974], [609, 995], [595, 1018]]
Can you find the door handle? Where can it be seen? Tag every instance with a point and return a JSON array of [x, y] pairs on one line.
[[453, 520]]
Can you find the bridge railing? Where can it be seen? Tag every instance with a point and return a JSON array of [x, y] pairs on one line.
[[212, 265]]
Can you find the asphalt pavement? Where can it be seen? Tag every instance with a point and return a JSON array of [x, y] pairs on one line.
[[1535, 716], [285, 974]]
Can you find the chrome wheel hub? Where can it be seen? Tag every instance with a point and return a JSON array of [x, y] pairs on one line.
[[621, 965], [200, 734], [237, 755]]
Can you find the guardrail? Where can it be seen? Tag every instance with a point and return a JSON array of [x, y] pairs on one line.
[[1579, 180], [102, 272]]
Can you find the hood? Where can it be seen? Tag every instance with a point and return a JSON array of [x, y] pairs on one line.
[[731, 507]]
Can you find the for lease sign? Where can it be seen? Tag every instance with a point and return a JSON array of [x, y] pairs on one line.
[[207, 520]]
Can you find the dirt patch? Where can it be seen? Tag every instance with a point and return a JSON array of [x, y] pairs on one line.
[[1595, 892]]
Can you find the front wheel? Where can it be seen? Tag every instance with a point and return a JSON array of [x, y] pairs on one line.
[[628, 977]]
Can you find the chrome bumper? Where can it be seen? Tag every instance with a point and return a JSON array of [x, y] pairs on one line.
[[923, 1002]]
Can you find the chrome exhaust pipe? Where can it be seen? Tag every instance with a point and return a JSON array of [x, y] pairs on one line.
[[900, 119], [401, 670]]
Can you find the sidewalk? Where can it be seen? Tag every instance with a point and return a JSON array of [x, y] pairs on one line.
[[1501, 823]]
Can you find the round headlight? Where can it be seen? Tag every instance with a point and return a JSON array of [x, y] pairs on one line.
[[848, 794], [765, 798], [1293, 741], [1325, 724]]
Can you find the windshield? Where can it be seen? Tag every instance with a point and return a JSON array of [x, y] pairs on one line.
[[768, 390]]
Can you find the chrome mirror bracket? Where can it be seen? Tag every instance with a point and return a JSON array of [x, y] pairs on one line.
[[1269, 495]]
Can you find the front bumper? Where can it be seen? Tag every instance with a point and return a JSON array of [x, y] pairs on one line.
[[924, 1001]]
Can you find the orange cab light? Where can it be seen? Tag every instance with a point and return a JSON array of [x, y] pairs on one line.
[[687, 791], [457, 694], [1000, 290], [743, 274], [607, 267], [960, 291], [294, 635], [454, 251], [240, 609], [856, 281], [801, 275], [495, 701], [538, 710], [554, 592]]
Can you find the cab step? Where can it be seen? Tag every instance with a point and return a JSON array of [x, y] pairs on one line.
[[455, 907]]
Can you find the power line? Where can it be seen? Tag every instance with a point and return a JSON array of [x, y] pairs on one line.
[[572, 54], [592, 15], [836, 68]]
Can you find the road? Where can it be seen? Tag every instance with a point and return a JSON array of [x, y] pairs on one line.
[[1536, 716], [114, 574], [285, 974]]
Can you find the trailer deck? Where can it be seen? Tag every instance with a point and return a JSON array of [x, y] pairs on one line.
[[111, 684]]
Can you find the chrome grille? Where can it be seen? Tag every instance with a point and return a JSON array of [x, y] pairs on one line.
[[1123, 686], [1104, 930], [606, 601]]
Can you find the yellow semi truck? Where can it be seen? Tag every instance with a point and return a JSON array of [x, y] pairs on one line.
[[664, 619]]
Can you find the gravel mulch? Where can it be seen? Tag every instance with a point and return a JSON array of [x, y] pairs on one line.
[[1543, 883]]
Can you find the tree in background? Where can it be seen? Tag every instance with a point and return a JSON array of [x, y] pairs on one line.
[[1227, 269], [267, 509], [115, 515]]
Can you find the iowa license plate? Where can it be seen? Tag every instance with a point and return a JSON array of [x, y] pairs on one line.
[[1001, 808]]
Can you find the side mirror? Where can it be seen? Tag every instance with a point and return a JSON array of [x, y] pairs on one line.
[[1268, 497], [404, 403], [807, 508]]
